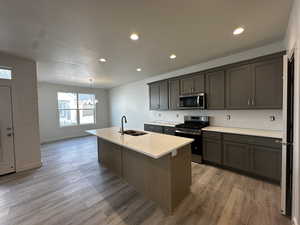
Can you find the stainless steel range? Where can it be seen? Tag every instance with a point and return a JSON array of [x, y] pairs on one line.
[[191, 128]]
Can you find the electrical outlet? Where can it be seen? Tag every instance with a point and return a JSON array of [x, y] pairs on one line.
[[228, 117], [177, 115], [272, 118]]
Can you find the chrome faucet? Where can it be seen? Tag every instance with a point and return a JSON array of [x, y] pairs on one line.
[[123, 119]]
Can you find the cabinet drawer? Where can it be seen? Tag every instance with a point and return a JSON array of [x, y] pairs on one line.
[[153, 128], [267, 142], [169, 130], [212, 135], [237, 138]]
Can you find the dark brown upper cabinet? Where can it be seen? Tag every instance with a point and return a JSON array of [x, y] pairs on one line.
[[154, 96], [159, 95], [215, 89], [267, 84], [238, 87], [174, 92], [192, 84], [252, 84], [255, 85]]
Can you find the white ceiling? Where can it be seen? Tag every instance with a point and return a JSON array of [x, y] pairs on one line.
[[67, 37]]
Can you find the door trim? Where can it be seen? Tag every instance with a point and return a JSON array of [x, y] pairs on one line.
[[13, 130]]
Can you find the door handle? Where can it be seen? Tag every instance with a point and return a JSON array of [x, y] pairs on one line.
[[9, 128], [9, 134]]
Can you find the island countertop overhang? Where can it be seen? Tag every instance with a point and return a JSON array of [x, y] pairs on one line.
[[152, 144]]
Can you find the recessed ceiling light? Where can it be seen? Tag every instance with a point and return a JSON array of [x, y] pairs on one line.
[[238, 31], [139, 69], [102, 60], [173, 56], [134, 36]]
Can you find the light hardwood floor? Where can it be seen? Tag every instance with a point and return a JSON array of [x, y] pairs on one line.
[[73, 189]]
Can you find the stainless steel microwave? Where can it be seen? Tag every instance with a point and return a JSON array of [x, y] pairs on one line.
[[196, 101]]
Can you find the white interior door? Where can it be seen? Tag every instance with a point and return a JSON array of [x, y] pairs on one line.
[[7, 156]]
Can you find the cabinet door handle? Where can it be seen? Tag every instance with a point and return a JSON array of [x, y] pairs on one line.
[[253, 101], [249, 101]]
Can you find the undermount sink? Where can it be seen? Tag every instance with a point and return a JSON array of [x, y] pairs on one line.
[[134, 132]]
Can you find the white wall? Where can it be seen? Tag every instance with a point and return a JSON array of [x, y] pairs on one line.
[[49, 120], [292, 41], [25, 111], [132, 99]]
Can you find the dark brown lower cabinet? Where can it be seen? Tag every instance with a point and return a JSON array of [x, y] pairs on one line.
[[212, 150], [153, 128], [237, 156], [257, 156], [266, 162], [159, 129], [169, 130]]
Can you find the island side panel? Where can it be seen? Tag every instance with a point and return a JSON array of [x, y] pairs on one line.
[[166, 180], [110, 156], [151, 177], [181, 177]]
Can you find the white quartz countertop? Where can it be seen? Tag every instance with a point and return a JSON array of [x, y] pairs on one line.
[[245, 131], [163, 123], [151, 144]]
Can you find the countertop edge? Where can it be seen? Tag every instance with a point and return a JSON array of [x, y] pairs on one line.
[[161, 124], [137, 150], [244, 133]]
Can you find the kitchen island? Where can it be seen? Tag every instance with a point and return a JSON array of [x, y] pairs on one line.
[[156, 165]]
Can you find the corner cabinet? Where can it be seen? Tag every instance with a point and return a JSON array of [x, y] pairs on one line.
[[159, 95], [256, 85], [267, 84], [251, 155]]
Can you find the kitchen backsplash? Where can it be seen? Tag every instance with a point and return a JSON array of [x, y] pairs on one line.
[[257, 119]]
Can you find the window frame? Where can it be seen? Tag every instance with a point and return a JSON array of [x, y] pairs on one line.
[[11, 73], [77, 109]]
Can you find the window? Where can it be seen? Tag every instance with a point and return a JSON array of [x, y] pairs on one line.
[[5, 74], [76, 108], [86, 103]]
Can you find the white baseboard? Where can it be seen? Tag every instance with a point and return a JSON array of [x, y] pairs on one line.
[[29, 166], [294, 221]]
